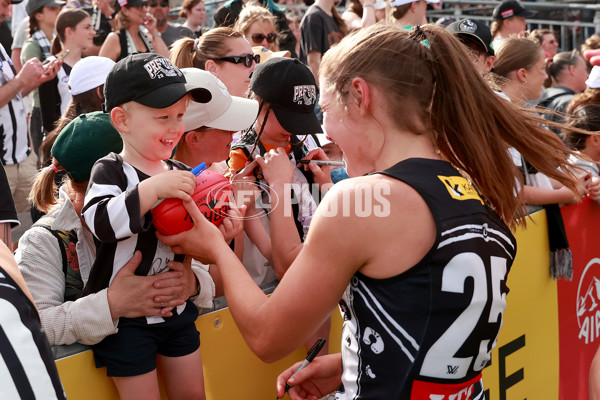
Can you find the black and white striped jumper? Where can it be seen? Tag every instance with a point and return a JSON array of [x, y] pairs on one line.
[[14, 138], [112, 212], [27, 369]]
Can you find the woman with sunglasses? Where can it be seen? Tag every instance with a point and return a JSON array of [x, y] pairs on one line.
[[129, 38], [257, 25], [221, 51], [229, 12]]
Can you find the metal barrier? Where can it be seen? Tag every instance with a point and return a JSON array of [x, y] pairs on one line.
[[573, 23]]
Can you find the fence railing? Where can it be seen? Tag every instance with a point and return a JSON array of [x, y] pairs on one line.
[[573, 23]]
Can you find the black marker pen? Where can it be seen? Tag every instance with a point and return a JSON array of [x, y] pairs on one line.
[[312, 353]]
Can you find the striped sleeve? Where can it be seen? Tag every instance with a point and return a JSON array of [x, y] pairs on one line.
[[112, 204], [27, 369]]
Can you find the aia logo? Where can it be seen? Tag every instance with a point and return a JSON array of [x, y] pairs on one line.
[[588, 302]]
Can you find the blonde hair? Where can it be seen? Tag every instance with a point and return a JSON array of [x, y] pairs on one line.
[[428, 75], [122, 21], [187, 52], [251, 13]]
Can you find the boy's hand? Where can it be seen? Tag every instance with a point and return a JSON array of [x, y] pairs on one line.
[[173, 184], [234, 223]]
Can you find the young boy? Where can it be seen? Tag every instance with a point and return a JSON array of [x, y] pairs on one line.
[[146, 96]]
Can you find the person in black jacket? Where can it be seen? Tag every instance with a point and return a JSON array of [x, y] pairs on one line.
[[568, 71]]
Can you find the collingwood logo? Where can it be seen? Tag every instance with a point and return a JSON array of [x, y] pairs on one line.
[[305, 94], [467, 26], [160, 68]]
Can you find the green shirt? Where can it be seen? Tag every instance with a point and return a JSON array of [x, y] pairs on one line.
[[32, 49]]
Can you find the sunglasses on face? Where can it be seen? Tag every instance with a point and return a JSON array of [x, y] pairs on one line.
[[259, 37], [247, 59], [162, 4]]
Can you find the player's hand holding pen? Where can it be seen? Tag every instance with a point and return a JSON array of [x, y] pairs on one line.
[[317, 162], [317, 379]]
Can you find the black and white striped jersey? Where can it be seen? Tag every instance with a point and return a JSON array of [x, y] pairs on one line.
[[13, 123], [27, 369], [112, 212], [427, 333]]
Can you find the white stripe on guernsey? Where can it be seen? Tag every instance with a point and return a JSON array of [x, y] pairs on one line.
[[471, 235], [123, 253], [117, 210], [119, 217], [389, 318], [9, 286], [388, 330], [475, 226], [7, 390], [480, 395], [351, 351], [26, 349], [97, 190]]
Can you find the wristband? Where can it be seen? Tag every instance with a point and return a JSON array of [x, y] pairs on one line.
[[157, 34], [368, 5]]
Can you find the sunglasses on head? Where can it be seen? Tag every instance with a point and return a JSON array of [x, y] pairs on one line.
[[162, 4], [247, 59], [259, 37]]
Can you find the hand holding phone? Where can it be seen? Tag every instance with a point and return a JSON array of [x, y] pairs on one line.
[[58, 58]]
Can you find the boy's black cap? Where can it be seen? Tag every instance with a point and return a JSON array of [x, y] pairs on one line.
[[148, 79], [511, 8], [476, 30], [290, 88]]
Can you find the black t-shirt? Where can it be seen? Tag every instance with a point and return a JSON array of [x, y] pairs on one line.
[[29, 367], [8, 213], [6, 38], [318, 31], [50, 100]]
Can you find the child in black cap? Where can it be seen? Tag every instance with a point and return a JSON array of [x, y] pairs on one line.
[[287, 93], [146, 96]]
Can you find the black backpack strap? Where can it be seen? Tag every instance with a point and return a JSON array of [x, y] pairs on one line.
[[73, 281], [46, 223]]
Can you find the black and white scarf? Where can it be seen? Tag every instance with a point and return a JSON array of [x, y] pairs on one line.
[[43, 42]]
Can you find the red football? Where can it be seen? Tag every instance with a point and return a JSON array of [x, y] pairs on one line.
[[212, 196]]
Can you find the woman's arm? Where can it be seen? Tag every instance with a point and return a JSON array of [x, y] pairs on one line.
[[539, 196], [111, 47], [308, 293]]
